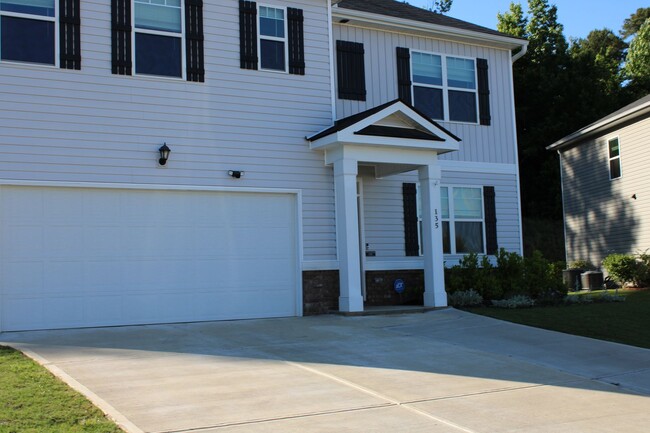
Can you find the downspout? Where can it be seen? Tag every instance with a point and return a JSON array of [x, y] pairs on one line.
[[514, 58], [521, 53], [330, 35], [566, 250]]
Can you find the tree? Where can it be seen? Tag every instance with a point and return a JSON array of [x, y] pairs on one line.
[[632, 24], [637, 65], [600, 55], [513, 22], [440, 6]]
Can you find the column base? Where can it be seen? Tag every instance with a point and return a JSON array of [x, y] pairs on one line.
[[351, 304]]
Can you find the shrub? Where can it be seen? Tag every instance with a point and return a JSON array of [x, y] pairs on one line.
[[625, 268], [534, 277], [518, 301], [466, 298], [584, 265], [577, 300]]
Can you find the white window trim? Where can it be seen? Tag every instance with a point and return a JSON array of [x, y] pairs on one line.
[[54, 19], [445, 87], [180, 35], [610, 159], [452, 220], [273, 38]]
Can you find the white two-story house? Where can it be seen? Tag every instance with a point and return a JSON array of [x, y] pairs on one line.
[[188, 160]]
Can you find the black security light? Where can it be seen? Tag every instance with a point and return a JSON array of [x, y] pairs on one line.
[[164, 154]]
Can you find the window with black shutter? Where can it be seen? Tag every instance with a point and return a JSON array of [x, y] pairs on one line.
[[411, 237], [271, 38], [121, 36], [404, 74], [350, 69], [489, 205], [483, 92], [69, 34], [194, 40]]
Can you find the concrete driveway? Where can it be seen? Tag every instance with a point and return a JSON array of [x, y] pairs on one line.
[[442, 371]]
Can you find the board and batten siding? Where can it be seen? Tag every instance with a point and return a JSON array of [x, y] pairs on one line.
[[60, 125], [601, 216], [384, 212], [491, 144]]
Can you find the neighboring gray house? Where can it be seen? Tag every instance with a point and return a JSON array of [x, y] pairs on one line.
[[320, 151], [606, 185]]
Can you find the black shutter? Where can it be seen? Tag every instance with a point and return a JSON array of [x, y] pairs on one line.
[[247, 34], [489, 206], [69, 34], [194, 40], [351, 73], [411, 239], [483, 91], [404, 74], [296, 41], [121, 36]]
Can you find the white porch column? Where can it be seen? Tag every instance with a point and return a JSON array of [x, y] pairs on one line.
[[434, 272], [347, 234]]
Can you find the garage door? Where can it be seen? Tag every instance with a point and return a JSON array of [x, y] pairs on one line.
[[76, 257]]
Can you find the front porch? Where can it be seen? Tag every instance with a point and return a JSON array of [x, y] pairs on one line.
[[388, 140]]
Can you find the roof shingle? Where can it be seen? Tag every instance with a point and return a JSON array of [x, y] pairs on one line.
[[406, 11]]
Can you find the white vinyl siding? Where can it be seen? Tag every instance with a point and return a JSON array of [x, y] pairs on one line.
[[92, 126], [492, 144], [602, 216]]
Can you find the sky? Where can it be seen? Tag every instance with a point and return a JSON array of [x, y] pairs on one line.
[[579, 17]]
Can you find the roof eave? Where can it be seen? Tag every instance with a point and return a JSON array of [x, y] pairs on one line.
[[595, 128], [503, 42]]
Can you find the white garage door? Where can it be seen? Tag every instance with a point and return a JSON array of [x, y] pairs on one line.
[[75, 257]]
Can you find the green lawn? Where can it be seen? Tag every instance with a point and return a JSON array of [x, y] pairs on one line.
[[623, 322], [32, 400]]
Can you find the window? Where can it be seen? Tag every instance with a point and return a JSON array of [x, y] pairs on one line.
[[462, 220], [614, 159], [445, 88], [272, 39], [158, 37], [27, 31], [469, 223]]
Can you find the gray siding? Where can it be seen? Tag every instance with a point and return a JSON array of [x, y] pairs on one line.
[[494, 144], [600, 215], [384, 212], [92, 126]]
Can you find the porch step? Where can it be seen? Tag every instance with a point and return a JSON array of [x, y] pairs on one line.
[[389, 309]]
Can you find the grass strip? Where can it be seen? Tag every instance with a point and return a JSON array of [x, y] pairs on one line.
[[32, 400]]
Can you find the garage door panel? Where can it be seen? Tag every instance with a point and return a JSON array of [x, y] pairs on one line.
[[75, 257]]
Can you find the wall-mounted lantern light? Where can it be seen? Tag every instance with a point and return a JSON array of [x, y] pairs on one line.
[[235, 173], [164, 154]]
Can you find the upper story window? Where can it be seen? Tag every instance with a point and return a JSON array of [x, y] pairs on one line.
[[272, 38], [158, 37], [444, 87], [462, 220], [614, 158], [28, 31]]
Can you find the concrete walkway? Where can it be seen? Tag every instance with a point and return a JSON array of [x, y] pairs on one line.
[[442, 371]]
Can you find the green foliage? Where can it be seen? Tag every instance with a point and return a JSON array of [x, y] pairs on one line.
[[584, 265], [517, 301], [637, 65], [34, 401], [627, 269], [513, 275], [632, 24], [513, 22], [465, 298]]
